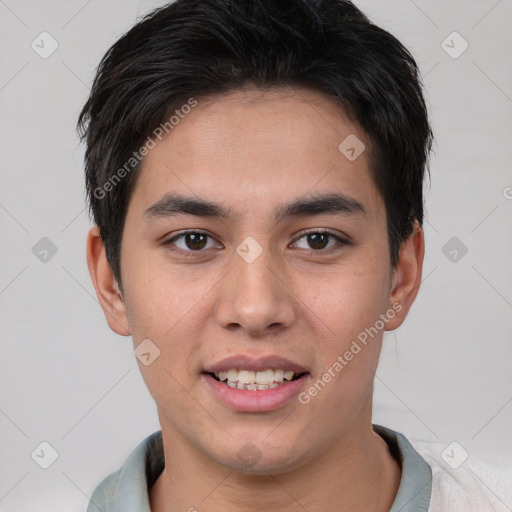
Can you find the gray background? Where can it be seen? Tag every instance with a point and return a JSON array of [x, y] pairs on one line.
[[66, 379]]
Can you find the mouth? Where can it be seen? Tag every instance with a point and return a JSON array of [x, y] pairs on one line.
[[250, 380], [245, 383]]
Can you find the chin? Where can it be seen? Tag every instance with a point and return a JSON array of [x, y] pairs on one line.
[[257, 460]]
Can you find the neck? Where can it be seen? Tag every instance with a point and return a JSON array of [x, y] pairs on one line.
[[358, 474]]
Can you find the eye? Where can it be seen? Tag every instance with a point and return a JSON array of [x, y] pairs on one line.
[[196, 241], [319, 240], [192, 241]]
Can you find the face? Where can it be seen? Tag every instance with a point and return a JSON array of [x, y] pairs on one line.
[[248, 282]]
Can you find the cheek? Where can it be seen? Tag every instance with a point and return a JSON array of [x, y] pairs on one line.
[[161, 294], [350, 301], [167, 306], [167, 311], [348, 354]]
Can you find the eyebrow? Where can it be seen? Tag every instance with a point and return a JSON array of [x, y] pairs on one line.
[[176, 204]]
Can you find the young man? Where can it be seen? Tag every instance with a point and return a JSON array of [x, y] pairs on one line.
[[255, 173]]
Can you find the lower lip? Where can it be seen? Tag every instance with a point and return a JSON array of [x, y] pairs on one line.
[[258, 400]]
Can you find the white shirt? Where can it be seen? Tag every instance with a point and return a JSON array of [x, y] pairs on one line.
[[428, 483], [471, 487]]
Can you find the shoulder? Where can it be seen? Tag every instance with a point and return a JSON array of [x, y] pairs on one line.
[[126, 490], [104, 495], [466, 484]]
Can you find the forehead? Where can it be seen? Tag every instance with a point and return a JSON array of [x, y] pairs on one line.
[[252, 146]]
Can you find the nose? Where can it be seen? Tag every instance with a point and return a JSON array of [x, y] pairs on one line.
[[255, 298]]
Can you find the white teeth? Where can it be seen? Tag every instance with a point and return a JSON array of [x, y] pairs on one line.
[[232, 375], [248, 379], [266, 377], [278, 375]]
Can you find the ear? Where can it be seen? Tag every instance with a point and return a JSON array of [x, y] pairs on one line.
[[105, 284], [406, 279]]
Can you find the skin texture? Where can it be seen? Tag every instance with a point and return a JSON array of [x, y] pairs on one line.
[[252, 150]]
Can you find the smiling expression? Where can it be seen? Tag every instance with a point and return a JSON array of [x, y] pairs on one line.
[[250, 235]]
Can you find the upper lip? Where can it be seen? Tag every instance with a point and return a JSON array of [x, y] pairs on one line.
[[258, 364]]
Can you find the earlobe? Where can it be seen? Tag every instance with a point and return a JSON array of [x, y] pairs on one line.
[[106, 286], [407, 276]]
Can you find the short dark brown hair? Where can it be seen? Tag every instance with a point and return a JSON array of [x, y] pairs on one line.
[[197, 48]]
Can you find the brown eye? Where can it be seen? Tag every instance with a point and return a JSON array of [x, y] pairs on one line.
[[320, 241], [195, 241], [192, 241]]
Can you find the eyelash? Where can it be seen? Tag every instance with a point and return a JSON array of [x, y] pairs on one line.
[[341, 242]]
